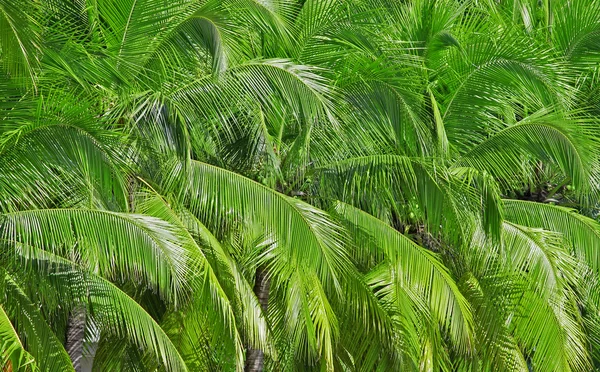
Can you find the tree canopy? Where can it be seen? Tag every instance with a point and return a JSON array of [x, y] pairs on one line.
[[299, 185]]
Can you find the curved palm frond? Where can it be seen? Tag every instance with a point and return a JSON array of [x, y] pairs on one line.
[[305, 248], [42, 343], [112, 310], [581, 233], [569, 145], [305, 236], [62, 150], [225, 301], [420, 271], [425, 191], [268, 82], [19, 39], [119, 246], [13, 356]]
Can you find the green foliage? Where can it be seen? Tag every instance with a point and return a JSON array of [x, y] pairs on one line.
[[309, 185]]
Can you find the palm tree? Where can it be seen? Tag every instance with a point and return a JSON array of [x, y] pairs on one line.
[[299, 185]]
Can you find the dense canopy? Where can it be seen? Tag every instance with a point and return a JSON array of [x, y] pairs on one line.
[[299, 185]]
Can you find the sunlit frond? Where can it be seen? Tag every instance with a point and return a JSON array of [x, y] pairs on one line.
[[119, 246], [305, 236], [420, 271], [14, 355]]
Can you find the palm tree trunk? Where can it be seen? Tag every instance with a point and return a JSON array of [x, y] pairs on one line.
[[255, 357], [75, 336]]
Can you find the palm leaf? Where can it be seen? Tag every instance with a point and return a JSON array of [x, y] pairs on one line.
[[420, 271], [228, 295], [62, 149], [41, 342], [582, 234], [112, 310], [119, 246], [19, 38], [568, 144], [305, 236], [14, 356]]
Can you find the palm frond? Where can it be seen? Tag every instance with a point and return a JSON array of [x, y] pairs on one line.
[[582, 234], [424, 190], [57, 145], [305, 236], [19, 39], [42, 343], [122, 316], [112, 310], [419, 270], [268, 82], [13, 356], [570, 145], [119, 246]]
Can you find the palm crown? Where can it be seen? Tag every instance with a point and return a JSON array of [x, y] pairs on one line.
[[299, 185]]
